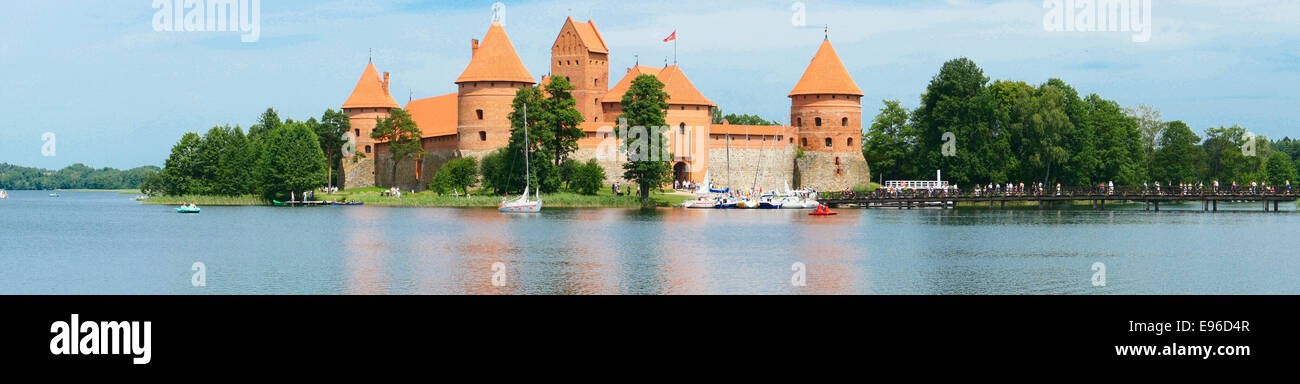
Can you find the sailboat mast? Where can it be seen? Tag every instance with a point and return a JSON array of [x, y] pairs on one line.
[[528, 171]]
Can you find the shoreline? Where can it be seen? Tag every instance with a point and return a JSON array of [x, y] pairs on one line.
[[429, 200]]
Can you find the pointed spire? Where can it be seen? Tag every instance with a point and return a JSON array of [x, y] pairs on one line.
[[495, 59], [370, 91], [826, 75]]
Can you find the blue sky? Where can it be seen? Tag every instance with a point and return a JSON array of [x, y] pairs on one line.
[[116, 93]]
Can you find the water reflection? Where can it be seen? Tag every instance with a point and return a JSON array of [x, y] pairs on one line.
[[102, 243]]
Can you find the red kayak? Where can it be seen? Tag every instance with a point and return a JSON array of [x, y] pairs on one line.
[[823, 211]]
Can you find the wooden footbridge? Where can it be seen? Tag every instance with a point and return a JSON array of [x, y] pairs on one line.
[[1098, 196]]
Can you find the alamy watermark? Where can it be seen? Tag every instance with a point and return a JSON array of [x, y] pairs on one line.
[[1099, 16], [243, 16], [800, 16], [200, 277], [949, 147], [800, 276], [49, 146], [1099, 274]]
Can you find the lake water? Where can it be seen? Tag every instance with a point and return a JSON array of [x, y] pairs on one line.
[[103, 243]]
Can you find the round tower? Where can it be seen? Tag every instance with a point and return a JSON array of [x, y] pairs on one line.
[[826, 108], [486, 91], [370, 101]]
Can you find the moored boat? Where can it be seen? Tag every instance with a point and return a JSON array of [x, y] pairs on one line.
[[524, 204], [701, 203], [186, 210], [769, 203]]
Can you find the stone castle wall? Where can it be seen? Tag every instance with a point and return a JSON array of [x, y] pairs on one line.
[[357, 174], [770, 170], [406, 175], [830, 171]]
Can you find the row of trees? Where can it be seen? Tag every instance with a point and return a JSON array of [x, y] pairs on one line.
[[276, 158], [76, 176], [979, 132]]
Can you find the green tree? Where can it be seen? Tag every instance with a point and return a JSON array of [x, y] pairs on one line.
[[457, 175], [497, 175], [181, 175], [1119, 154], [228, 162], [268, 121], [956, 111], [559, 121], [644, 107], [291, 161], [890, 143], [1178, 158], [1043, 129], [402, 136], [545, 173], [588, 178], [332, 131], [1279, 169]]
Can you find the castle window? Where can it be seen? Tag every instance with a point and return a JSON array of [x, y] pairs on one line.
[[828, 142], [804, 142], [837, 160], [358, 133], [844, 122], [800, 122], [683, 128], [482, 136], [819, 122], [367, 149], [595, 82], [791, 140], [480, 114], [850, 142]]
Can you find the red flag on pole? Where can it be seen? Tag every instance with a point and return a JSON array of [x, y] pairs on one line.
[[671, 37]]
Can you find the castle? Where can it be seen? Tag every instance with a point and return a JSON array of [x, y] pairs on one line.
[[820, 151]]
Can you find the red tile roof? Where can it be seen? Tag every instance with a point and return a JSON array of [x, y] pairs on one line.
[[679, 88], [495, 59], [826, 75], [590, 36], [370, 92], [435, 116]]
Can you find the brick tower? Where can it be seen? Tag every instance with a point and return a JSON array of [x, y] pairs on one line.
[[826, 107], [486, 91], [581, 56], [370, 100]]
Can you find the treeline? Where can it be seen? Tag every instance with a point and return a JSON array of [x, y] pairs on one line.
[[76, 176], [275, 159], [979, 132]]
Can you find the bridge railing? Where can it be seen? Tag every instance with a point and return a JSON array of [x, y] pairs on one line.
[[1098, 192]]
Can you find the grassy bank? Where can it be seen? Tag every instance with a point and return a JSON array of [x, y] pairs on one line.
[[211, 201], [372, 197], [118, 191], [604, 199]]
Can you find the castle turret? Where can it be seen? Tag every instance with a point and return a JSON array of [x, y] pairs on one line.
[[487, 90], [826, 108], [369, 101], [581, 57]]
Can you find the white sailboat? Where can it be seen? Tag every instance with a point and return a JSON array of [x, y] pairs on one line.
[[3, 194], [524, 204]]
